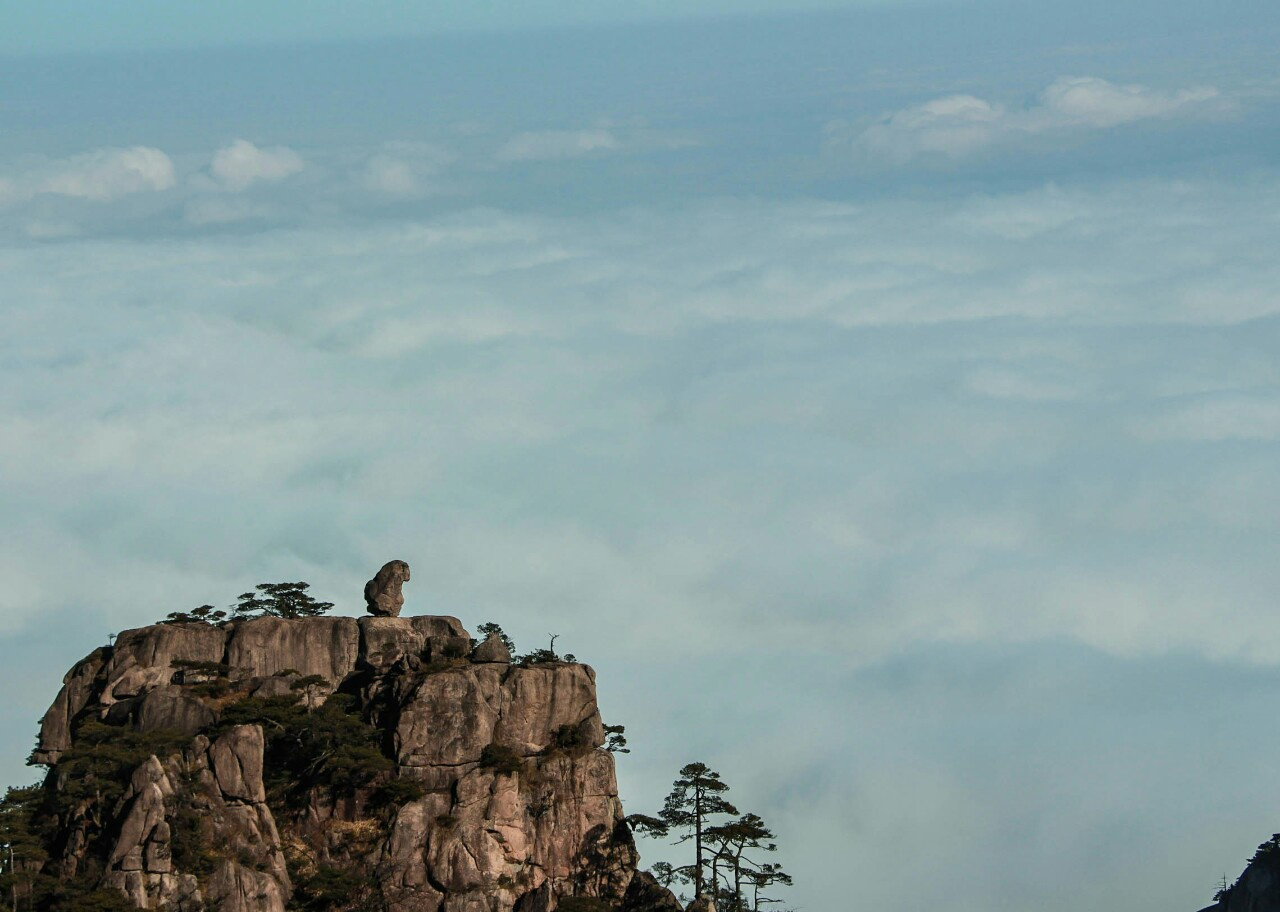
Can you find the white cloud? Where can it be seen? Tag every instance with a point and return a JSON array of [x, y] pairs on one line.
[[390, 175], [242, 163], [956, 126], [1091, 102], [99, 176], [404, 169], [556, 144]]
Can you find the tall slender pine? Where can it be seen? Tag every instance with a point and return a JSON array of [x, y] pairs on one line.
[[695, 796]]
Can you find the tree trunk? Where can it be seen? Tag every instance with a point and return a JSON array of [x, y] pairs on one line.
[[737, 881], [697, 841]]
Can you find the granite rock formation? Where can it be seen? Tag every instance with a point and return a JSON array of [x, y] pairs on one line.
[[216, 786], [383, 593], [493, 791]]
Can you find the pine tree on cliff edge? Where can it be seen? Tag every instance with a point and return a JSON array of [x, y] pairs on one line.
[[695, 796], [286, 600]]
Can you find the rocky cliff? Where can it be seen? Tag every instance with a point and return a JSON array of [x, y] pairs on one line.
[[1258, 887], [385, 763]]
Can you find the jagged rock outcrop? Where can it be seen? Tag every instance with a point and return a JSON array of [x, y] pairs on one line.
[[501, 796], [383, 593], [212, 797], [77, 690], [645, 894], [493, 649]]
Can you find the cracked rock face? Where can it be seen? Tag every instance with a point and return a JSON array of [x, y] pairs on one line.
[[471, 834]]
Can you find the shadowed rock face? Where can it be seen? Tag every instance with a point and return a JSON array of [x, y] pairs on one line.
[[469, 838], [382, 593], [1258, 888], [645, 894]]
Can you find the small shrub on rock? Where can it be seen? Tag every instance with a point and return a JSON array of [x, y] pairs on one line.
[[500, 759], [102, 760], [190, 670], [571, 739], [103, 900], [330, 746], [330, 888], [546, 656], [398, 792]]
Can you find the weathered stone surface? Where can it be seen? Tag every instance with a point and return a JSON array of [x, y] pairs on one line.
[[159, 645], [234, 825], [383, 593], [265, 646], [143, 658], [235, 888], [538, 700], [492, 650], [152, 772], [386, 640], [174, 709], [146, 811], [237, 764], [449, 717], [404, 869], [645, 894], [77, 690]]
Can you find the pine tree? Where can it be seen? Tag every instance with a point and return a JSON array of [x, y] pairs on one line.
[[286, 600], [24, 853], [205, 614], [695, 797], [732, 841]]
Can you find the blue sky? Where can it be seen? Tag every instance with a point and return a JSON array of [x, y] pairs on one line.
[[900, 381]]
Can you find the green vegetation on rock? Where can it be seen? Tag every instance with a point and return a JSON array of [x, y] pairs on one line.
[[330, 746]]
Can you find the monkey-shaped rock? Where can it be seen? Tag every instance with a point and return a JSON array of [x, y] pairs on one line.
[[382, 593]]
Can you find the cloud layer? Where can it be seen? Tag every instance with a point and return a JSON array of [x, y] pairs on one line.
[[855, 443], [241, 163], [100, 176], [556, 144], [957, 126]]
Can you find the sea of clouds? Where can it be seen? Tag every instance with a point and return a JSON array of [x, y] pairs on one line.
[[929, 493]]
